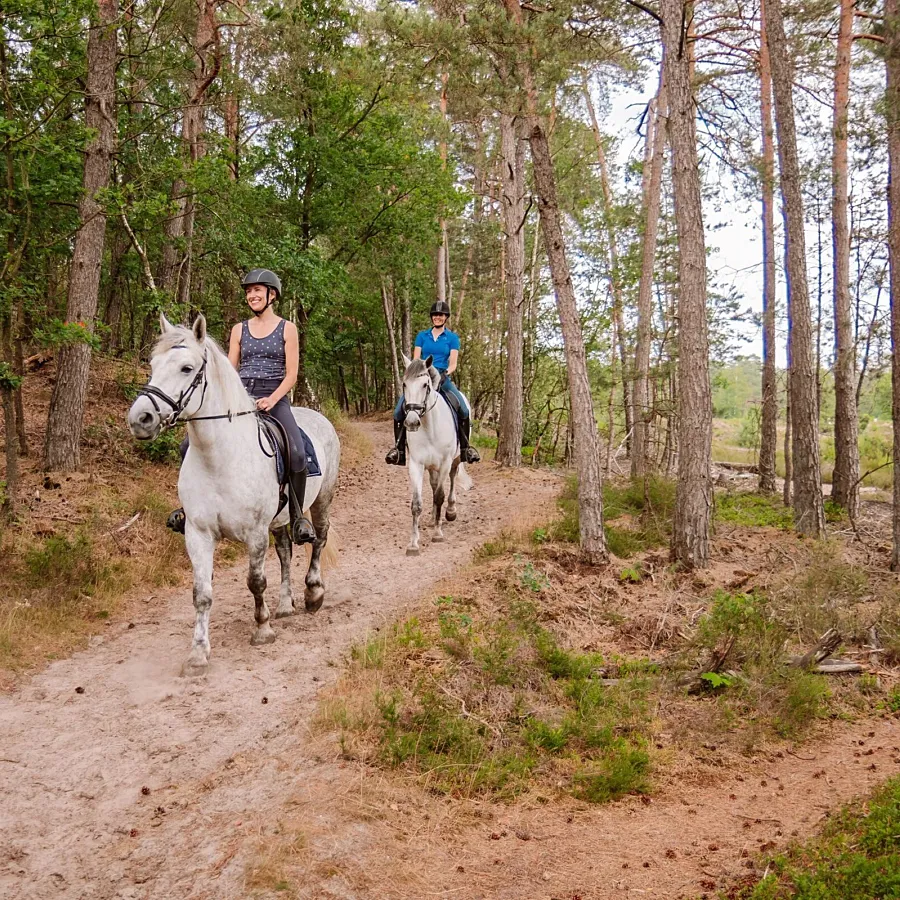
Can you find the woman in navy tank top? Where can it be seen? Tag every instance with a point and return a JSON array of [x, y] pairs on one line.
[[265, 350]]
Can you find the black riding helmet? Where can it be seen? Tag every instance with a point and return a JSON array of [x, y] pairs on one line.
[[266, 277], [439, 308]]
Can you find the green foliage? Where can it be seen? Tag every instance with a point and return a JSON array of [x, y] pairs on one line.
[[57, 333], [858, 856], [753, 510], [166, 448], [9, 381], [71, 567]]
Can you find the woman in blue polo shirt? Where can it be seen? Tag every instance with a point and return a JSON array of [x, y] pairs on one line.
[[443, 346]]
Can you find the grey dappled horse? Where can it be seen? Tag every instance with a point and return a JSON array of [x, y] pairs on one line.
[[228, 484], [432, 444]]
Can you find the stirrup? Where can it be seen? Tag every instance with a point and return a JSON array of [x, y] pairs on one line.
[[396, 457], [176, 521], [469, 455], [302, 531]]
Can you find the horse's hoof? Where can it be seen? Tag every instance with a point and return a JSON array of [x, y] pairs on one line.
[[284, 611], [263, 635], [451, 516], [194, 667], [412, 551], [437, 539], [313, 598]]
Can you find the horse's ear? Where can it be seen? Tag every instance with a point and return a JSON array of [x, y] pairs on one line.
[[200, 328], [428, 362], [407, 362], [164, 324]]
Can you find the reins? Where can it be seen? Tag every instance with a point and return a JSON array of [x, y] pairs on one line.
[[422, 408]]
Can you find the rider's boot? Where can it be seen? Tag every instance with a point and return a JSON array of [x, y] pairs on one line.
[[302, 531], [467, 453], [397, 456], [176, 520]]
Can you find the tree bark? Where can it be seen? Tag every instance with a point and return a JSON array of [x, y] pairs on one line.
[[892, 64], [809, 512], [845, 479], [441, 273], [615, 274], [11, 490], [583, 422], [693, 497], [388, 307], [656, 145], [509, 438], [769, 419], [62, 448]]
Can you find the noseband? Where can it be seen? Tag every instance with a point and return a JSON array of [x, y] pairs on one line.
[[178, 406], [420, 408]]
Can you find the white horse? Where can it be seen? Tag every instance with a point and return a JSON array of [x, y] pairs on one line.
[[228, 484], [432, 444]]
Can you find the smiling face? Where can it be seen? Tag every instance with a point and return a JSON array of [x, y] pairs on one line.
[[257, 297], [438, 320], [174, 368]]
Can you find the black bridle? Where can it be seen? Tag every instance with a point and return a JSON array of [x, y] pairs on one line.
[[178, 406], [420, 408]]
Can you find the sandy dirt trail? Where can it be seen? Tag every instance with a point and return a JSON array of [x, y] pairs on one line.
[[147, 785]]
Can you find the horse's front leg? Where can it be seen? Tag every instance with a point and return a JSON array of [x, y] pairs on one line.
[[437, 492], [256, 581], [200, 547], [315, 587], [285, 549], [451, 496], [416, 473]]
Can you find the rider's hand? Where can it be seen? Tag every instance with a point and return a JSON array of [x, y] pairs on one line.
[[264, 403]]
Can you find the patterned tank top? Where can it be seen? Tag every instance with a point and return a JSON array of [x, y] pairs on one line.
[[263, 357]]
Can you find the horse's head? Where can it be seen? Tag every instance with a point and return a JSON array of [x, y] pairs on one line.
[[420, 382], [177, 380]]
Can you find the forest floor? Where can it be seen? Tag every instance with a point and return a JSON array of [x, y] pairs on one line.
[[265, 779]]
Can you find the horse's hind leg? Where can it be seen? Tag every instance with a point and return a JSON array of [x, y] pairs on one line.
[[256, 581], [200, 547], [437, 490], [284, 548], [315, 587], [451, 496]]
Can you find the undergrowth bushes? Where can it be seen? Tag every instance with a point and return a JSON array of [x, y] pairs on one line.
[[481, 697]]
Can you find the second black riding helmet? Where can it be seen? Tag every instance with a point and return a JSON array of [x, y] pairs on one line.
[[440, 308]]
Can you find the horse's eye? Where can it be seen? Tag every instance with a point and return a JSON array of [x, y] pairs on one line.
[[187, 369]]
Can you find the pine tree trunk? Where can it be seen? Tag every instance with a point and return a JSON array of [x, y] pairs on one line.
[[11, 488], [587, 445], [809, 512], [441, 273], [406, 321], [892, 104], [693, 498], [62, 448], [388, 307], [845, 479], [769, 422], [509, 437], [615, 274], [656, 145]]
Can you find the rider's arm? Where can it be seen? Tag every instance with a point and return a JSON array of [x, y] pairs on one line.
[[234, 346], [291, 362], [454, 358], [417, 353]]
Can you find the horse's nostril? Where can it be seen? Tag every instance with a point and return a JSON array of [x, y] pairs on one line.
[[145, 418]]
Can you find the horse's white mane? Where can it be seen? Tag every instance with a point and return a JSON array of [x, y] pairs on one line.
[[221, 374]]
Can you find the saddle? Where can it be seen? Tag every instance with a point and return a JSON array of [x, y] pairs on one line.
[[276, 437]]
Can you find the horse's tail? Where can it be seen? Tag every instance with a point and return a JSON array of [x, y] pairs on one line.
[[329, 558], [463, 478]]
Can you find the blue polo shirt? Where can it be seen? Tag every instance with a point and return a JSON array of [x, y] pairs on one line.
[[440, 348]]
